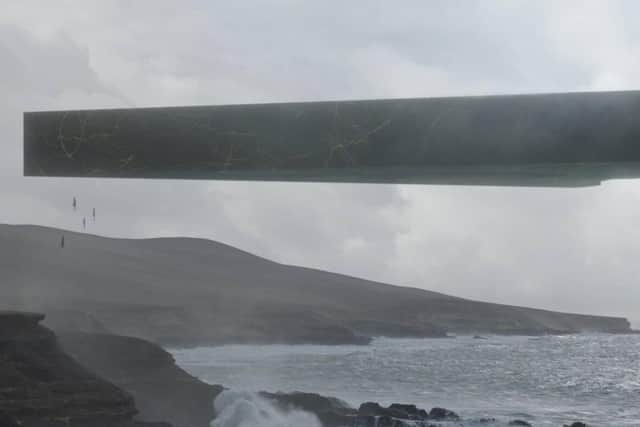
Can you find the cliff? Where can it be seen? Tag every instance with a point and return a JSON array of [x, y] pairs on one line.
[[180, 291], [42, 386], [161, 390]]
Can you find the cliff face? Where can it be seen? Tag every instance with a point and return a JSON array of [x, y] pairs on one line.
[[179, 291], [40, 385], [162, 391]]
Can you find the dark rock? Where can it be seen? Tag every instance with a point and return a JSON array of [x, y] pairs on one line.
[[150, 424], [519, 423], [310, 402], [161, 389], [8, 421], [397, 414], [443, 414], [334, 412], [576, 424], [330, 411], [41, 385], [332, 418], [410, 410], [384, 421], [393, 411], [370, 408]]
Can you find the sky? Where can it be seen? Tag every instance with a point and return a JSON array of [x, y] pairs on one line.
[[564, 249]]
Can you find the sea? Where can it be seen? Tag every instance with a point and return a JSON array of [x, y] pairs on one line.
[[546, 381]]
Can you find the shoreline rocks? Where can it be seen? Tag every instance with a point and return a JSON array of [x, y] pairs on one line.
[[104, 380], [41, 385], [160, 389]]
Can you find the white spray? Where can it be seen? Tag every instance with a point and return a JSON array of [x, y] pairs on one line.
[[245, 409]]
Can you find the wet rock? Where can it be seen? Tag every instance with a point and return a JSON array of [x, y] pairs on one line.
[[519, 423], [330, 410], [150, 424], [162, 391], [333, 418], [576, 424], [411, 411], [403, 412], [334, 412], [312, 402], [443, 414], [41, 385], [8, 421], [370, 409]]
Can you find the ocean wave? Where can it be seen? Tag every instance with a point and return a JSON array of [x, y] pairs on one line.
[[246, 409]]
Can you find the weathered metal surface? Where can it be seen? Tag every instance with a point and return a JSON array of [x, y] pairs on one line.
[[571, 139]]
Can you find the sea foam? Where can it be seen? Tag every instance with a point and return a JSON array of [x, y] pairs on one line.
[[246, 409]]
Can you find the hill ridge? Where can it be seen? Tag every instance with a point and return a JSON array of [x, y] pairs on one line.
[[192, 291]]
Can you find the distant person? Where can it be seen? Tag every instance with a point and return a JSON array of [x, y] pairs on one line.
[[94, 214], [74, 203], [84, 223], [62, 242]]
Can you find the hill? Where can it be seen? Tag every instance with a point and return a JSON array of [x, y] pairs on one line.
[[184, 291]]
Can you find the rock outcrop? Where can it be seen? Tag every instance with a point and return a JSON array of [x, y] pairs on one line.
[[161, 389], [329, 410], [103, 380], [42, 386], [336, 413], [164, 391]]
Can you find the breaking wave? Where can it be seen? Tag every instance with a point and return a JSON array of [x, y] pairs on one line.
[[246, 409]]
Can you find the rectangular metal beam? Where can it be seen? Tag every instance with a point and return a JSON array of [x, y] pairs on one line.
[[570, 139]]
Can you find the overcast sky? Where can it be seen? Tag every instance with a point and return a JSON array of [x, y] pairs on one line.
[[566, 249]]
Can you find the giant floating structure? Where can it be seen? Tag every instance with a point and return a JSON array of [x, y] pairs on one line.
[[568, 139]]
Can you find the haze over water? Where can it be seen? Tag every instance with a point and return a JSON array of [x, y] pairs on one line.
[[547, 380]]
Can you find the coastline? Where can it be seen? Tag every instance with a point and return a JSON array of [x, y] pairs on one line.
[[348, 373], [162, 394], [367, 340]]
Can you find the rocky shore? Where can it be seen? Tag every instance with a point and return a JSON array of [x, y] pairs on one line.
[[88, 379], [42, 386], [161, 390]]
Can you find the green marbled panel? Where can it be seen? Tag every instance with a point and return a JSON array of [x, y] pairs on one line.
[[552, 139]]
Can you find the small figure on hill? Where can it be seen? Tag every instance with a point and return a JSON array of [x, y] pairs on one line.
[[84, 223], [62, 242], [94, 214], [74, 204]]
